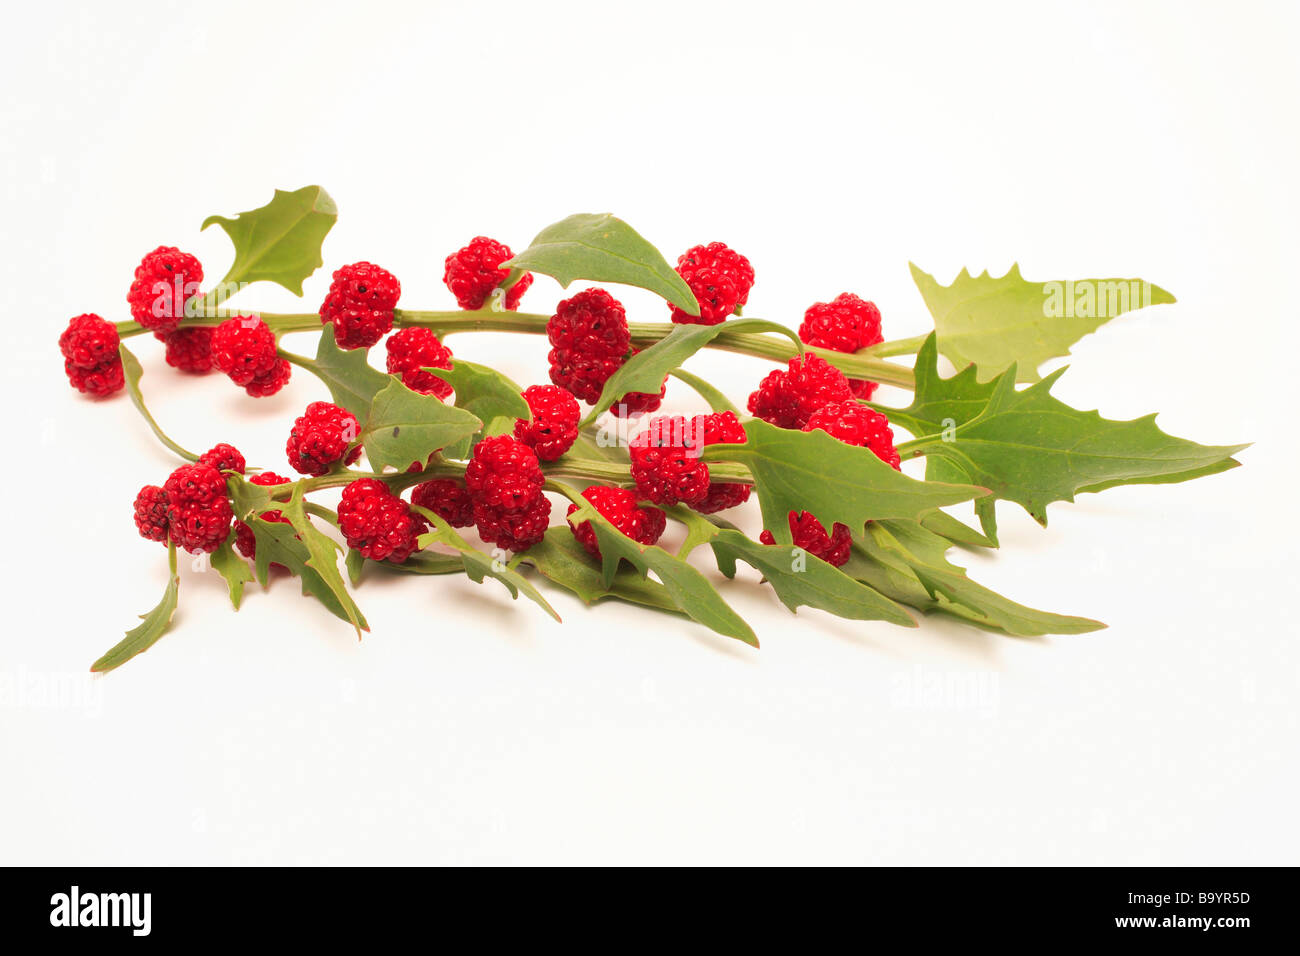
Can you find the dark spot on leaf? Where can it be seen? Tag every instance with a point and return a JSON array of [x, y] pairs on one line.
[[396, 429]]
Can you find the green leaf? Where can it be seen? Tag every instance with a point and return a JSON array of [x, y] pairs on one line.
[[811, 471], [132, 372], [1028, 447], [151, 627], [560, 558], [994, 323], [484, 392], [352, 381], [405, 427], [799, 578], [645, 371], [958, 532], [354, 562], [907, 562], [423, 562], [939, 404], [233, 568], [689, 589], [280, 242], [478, 565], [308, 554], [603, 248]]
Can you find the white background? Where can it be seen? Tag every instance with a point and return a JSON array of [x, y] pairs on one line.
[[831, 143]]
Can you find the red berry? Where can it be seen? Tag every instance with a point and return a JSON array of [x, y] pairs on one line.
[[360, 303], [189, 350], [619, 507], [787, 397], [845, 324], [504, 473], [412, 350], [100, 381], [721, 279], [151, 513], [583, 376], [224, 457], [89, 341], [164, 281], [271, 382], [447, 498], [243, 347], [513, 530], [855, 424], [590, 324], [198, 511], [554, 426], [474, 271], [378, 523], [811, 536], [245, 540], [721, 428], [320, 438], [666, 464], [90, 357]]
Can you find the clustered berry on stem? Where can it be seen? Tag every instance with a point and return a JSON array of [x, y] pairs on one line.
[[475, 271], [90, 356], [621, 508], [321, 437], [410, 352], [720, 279], [590, 341], [165, 280], [553, 428], [505, 481], [243, 347], [845, 324], [378, 523], [360, 304]]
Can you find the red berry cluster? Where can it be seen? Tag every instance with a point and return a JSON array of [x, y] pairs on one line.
[[621, 508], [191, 508], [360, 304], [447, 498], [845, 324], [590, 341], [165, 280], [788, 397], [378, 523], [320, 438], [810, 535], [553, 428], [243, 347], [473, 272], [719, 277], [410, 352], [90, 357], [666, 463], [855, 424], [505, 480]]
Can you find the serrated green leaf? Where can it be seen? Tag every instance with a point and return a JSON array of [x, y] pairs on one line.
[[478, 565], [994, 323], [484, 392], [280, 242], [352, 381], [561, 559], [233, 568], [906, 562], [811, 471], [599, 247], [689, 589], [799, 578], [132, 372], [404, 427], [152, 626], [322, 556], [958, 532], [1031, 448], [645, 371]]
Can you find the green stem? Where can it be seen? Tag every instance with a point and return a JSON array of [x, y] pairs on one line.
[[866, 364], [909, 346]]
